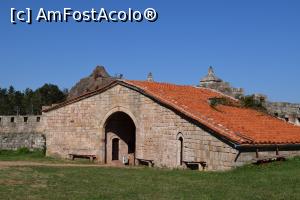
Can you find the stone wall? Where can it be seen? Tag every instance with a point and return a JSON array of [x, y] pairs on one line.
[[79, 128], [21, 124], [225, 88], [251, 157], [14, 141], [286, 111], [21, 131]]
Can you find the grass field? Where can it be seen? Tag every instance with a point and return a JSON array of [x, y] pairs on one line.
[[279, 180], [35, 156]]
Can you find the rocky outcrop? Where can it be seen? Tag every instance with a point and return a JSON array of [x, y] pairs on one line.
[[99, 78]]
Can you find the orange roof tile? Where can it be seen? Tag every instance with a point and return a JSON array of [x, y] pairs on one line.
[[239, 125]]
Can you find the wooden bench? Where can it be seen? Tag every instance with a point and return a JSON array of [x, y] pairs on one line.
[[91, 157], [193, 165], [149, 163]]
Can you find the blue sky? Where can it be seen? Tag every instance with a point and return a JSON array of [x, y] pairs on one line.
[[252, 44]]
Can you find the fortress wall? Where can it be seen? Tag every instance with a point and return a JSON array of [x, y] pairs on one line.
[[20, 124], [21, 131], [14, 141]]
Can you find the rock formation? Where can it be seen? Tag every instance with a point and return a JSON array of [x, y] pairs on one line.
[[99, 78]]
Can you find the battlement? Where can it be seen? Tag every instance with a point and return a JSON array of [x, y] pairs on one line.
[[20, 124]]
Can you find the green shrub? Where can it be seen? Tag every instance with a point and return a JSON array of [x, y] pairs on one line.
[[214, 102], [244, 102], [251, 102]]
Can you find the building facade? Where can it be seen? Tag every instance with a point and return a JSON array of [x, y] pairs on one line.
[[132, 122], [126, 122]]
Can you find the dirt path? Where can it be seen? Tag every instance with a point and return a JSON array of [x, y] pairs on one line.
[[37, 164]]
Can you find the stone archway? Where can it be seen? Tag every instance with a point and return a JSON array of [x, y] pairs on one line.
[[120, 139]]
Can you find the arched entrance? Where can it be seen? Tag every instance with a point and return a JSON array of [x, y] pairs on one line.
[[120, 139]]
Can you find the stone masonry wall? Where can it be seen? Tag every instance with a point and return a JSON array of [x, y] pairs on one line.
[[249, 157], [287, 111], [21, 131], [79, 128], [21, 124], [14, 141]]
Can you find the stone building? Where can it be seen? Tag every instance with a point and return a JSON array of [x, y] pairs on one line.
[[165, 125], [213, 82], [124, 122]]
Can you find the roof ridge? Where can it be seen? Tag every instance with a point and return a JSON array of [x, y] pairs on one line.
[[216, 91]]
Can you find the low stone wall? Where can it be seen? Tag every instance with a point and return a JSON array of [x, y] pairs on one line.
[[14, 141], [251, 157]]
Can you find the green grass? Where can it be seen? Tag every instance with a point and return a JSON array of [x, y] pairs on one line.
[[24, 154], [21, 154], [280, 180]]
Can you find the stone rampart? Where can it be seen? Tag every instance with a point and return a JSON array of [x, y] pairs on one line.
[[21, 131]]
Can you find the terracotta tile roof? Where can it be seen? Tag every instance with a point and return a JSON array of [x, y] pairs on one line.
[[239, 125]]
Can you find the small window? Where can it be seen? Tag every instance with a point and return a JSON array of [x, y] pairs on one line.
[[180, 150], [25, 119], [276, 114], [38, 119], [298, 120], [12, 119], [0, 119]]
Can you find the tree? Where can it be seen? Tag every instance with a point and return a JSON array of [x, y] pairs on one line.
[[4, 102], [30, 102], [50, 94], [27, 101]]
